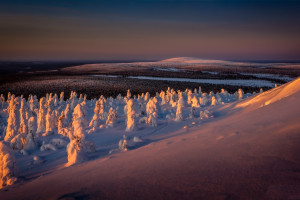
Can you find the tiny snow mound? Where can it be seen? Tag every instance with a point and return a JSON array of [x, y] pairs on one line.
[[271, 96]]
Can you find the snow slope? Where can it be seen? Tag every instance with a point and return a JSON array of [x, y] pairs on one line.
[[247, 151]]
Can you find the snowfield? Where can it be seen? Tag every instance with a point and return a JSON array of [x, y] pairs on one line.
[[176, 145]]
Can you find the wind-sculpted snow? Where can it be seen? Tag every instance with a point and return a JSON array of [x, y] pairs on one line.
[[271, 96]]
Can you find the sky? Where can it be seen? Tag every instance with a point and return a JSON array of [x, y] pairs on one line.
[[149, 30]]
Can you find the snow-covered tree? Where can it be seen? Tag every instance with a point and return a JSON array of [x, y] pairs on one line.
[[95, 122], [8, 166], [163, 97], [67, 116], [203, 100], [13, 120], [151, 110], [2, 101], [23, 119], [195, 102], [30, 141], [130, 123], [50, 125], [61, 97], [41, 121], [61, 124], [240, 94], [111, 118], [192, 113], [76, 147], [213, 101], [178, 112], [128, 94], [189, 100]]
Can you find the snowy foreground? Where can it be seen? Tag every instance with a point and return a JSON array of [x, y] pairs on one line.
[[177, 145]]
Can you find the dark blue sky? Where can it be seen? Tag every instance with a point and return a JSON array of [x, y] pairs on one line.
[[105, 30]]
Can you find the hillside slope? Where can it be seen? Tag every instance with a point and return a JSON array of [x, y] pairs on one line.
[[241, 154]]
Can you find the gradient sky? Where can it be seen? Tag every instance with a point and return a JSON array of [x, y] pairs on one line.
[[107, 30]]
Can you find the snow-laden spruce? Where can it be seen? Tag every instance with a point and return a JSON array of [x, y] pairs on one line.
[[8, 166], [130, 122], [75, 149]]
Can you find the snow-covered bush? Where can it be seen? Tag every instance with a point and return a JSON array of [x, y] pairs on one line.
[[58, 143], [205, 114], [47, 147], [123, 143]]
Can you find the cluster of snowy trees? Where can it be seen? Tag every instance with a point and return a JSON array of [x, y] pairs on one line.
[[33, 118]]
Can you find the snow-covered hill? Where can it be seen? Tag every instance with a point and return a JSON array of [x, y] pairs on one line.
[[249, 150], [193, 60]]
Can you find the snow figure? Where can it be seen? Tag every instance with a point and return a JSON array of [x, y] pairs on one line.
[[151, 110], [111, 118], [123, 143], [13, 120], [130, 115], [23, 121], [195, 102], [95, 122], [41, 122], [8, 166], [178, 113], [76, 149], [30, 143]]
